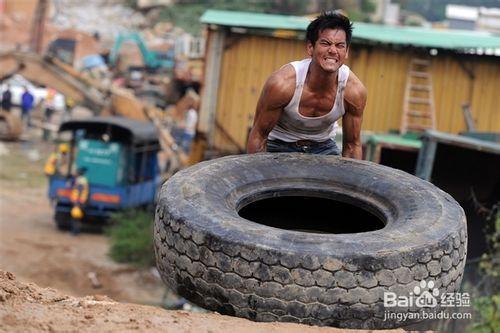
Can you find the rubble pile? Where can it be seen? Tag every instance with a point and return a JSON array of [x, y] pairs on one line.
[[154, 66], [106, 17], [16, 25]]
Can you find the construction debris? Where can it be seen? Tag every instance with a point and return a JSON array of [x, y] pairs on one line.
[[78, 41], [106, 17], [11, 126]]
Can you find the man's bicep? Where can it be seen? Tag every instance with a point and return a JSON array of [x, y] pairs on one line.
[[267, 114], [273, 99], [355, 102], [351, 122]]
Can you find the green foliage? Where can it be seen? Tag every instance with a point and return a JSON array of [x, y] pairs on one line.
[[490, 261], [489, 316], [357, 16], [367, 6], [132, 238], [487, 307], [186, 14], [130, 3], [186, 17]]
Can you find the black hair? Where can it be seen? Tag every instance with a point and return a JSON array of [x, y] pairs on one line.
[[329, 20]]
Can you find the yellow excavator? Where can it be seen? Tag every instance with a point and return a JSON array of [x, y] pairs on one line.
[[101, 99]]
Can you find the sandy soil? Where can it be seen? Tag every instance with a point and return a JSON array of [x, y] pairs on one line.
[[32, 248], [44, 279]]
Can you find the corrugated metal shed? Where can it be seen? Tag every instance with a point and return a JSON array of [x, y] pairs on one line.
[[241, 55]]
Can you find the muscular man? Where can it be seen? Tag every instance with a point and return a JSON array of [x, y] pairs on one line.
[[300, 103]]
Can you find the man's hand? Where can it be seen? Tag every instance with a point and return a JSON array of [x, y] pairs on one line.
[[276, 94], [355, 102]]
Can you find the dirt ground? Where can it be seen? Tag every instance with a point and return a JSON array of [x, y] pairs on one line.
[[35, 251], [44, 273]]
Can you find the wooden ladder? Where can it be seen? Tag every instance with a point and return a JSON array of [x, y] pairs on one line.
[[418, 109]]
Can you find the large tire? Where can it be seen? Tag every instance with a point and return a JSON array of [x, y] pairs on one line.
[[206, 252]]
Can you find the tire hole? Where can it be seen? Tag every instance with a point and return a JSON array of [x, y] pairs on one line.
[[311, 214]]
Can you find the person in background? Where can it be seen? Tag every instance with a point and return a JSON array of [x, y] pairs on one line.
[[69, 104], [49, 109], [185, 132], [57, 163], [7, 99], [78, 197], [27, 100], [189, 129]]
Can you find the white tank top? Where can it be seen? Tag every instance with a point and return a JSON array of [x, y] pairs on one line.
[[292, 126]]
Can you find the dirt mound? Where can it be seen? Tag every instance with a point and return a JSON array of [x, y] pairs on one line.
[[29, 308]]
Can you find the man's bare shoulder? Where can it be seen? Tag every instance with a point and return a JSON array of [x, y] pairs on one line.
[[355, 93], [282, 81], [355, 88]]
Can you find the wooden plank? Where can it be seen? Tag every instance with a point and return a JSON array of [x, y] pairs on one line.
[[419, 100], [420, 114], [422, 62], [212, 73], [420, 87], [419, 74], [418, 127]]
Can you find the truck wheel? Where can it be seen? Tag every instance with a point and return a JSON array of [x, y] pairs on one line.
[[62, 220], [318, 240]]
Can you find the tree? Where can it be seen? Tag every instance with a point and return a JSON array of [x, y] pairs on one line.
[[186, 13]]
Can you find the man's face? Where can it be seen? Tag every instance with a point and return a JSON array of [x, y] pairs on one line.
[[330, 50]]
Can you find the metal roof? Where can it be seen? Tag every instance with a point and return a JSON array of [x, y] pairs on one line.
[[364, 32], [461, 141], [122, 129]]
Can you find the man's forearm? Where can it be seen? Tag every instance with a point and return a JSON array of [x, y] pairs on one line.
[[256, 143], [353, 150]]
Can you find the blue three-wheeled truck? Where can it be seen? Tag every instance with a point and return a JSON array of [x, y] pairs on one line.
[[121, 163]]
